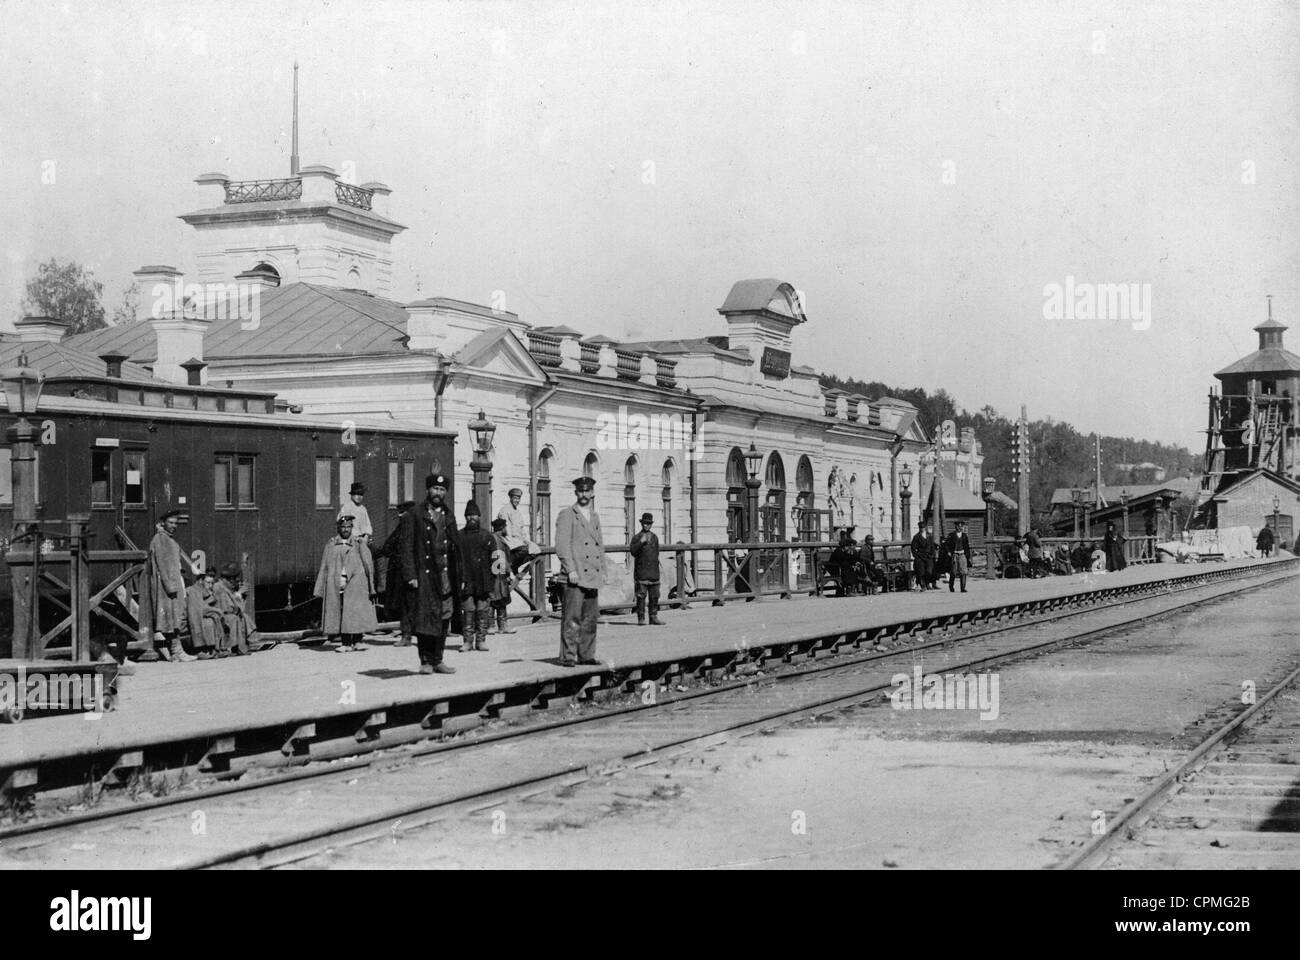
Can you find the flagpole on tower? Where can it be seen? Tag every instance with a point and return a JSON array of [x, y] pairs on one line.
[[293, 156]]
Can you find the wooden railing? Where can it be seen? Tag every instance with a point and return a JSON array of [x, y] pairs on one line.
[[998, 549]]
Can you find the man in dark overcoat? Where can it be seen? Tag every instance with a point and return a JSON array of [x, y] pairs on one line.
[[429, 556], [1113, 545], [924, 553], [476, 578], [399, 596], [645, 572]]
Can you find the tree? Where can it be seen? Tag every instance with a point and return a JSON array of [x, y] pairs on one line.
[[67, 291], [128, 311]]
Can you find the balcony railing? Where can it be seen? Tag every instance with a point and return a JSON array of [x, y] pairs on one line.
[[353, 196], [590, 359], [255, 191], [667, 373]]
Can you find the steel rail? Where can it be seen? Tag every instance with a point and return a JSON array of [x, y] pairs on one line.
[[1099, 847], [361, 761], [366, 825]]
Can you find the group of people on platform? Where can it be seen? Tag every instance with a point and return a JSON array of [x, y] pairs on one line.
[[208, 618], [857, 569], [1106, 556], [441, 580]]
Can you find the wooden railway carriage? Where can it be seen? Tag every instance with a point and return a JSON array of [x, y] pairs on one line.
[[255, 483]]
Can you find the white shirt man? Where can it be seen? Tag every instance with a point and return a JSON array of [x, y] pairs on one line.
[[361, 527]]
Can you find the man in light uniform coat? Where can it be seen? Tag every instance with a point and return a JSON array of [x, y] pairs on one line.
[[581, 550], [168, 571]]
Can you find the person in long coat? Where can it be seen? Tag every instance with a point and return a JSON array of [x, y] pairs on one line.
[[645, 572], [346, 586], [399, 597], [167, 572], [476, 579], [924, 551], [1113, 546], [581, 550], [207, 635], [502, 576], [429, 556], [241, 630], [1264, 542]]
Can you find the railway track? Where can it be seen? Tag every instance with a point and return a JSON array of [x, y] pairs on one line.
[[1232, 803], [293, 817]]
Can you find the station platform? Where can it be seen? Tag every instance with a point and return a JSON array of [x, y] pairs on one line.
[[295, 686]]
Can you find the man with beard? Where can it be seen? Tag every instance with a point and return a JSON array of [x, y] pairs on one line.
[[476, 549], [429, 557], [924, 552], [581, 550], [1113, 545]]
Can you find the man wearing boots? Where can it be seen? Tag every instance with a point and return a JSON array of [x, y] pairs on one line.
[[581, 550], [958, 547], [924, 551], [502, 578], [645, 548], [429, 559], [346, 585], [476, 547], [167, 572]]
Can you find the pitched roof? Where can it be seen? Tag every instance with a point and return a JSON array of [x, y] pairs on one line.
[[64, 359], [298, 319], [1111, 493], [1268, 360], [956, 497]]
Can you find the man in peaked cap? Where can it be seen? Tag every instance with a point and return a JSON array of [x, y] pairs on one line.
[[429, 560], [581, 550], [516, 529]]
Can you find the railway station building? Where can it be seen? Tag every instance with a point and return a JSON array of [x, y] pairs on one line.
[[663, 426]]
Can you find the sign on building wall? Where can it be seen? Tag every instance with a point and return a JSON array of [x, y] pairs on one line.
[[775, 363]]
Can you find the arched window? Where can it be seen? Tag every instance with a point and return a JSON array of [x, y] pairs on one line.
[[668, 476], [629, 498], [354, 279], [853, 498], [772, 512], [543, 506], [736, 495], [590, 465], [809, 522]]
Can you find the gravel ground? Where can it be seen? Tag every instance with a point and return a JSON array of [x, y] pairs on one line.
[[1078, 732]]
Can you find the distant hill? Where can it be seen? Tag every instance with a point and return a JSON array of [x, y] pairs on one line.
[[1059, 456]]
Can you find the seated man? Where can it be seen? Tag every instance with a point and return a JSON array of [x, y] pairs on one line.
[[870, 571], [1061, 560], [230, 594], [1080, 558], [207, 635]]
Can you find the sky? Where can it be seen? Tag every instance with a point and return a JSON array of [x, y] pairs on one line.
[[922, 172]]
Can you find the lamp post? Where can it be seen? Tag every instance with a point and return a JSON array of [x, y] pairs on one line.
[[1277, 505], [905, 495], [1076, 496], [1123, 500], [1087, 515], [22, 386], [481, 430], [753, 460]]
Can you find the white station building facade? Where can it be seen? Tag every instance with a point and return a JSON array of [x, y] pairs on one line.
[[293, 295]]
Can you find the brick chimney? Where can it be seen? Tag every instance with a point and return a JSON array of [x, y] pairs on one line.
[[41, 329]]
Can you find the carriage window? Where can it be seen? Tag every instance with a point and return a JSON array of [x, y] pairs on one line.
[[221, 482], [244, 481], [408, 474], [101, 477], [134, 461], [6, 477], [394, 495], [324, 473], [346, 474]]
